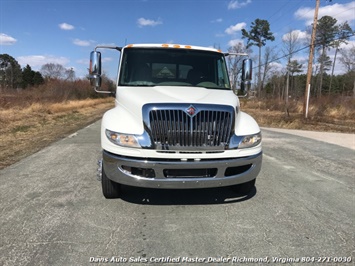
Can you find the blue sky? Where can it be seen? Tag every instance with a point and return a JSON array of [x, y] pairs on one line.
[[65, 31]]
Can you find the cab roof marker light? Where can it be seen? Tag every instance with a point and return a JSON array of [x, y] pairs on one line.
[[129, 45], [176, 46], [188, 46], [165, 45]]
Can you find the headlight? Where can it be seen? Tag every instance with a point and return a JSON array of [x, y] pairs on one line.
[[125, 140], [250, 141]]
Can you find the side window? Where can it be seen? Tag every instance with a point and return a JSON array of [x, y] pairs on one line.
[[125, 70], [222, 75]]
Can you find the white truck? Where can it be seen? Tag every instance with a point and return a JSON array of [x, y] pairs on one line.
[[176, 123]]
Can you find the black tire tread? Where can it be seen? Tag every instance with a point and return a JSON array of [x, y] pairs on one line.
[[110, 189]]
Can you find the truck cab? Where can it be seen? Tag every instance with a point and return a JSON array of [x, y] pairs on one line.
[[176, 124]]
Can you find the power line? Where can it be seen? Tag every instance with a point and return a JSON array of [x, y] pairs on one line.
[[286, 12], [301, 49], [287, 3]]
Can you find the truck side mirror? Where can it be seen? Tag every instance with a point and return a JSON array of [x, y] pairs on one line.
[[244, 88], [246, 77], [247, 70], [95, 69]]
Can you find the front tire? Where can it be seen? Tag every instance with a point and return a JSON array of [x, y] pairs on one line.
[[110, 189], [245, 188]]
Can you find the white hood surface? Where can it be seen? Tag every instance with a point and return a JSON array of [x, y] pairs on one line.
[[133, 98], [127, 117]]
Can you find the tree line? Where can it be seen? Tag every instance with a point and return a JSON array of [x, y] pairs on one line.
[[13, 76], [273, 81]]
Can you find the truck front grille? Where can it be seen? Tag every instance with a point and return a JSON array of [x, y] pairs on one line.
[[190, 126]]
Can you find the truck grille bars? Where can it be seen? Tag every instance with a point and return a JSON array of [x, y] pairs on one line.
[[193, 127]]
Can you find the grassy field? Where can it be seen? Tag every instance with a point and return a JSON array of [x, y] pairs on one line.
[[30, 121], [25, 130], [326, 114]]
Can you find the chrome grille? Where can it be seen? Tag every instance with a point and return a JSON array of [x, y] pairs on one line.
[[208, 128]]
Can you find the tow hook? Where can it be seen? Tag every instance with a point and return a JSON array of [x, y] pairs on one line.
[[99, 170]]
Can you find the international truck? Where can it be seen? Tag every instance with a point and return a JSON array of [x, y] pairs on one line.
[[177, 123]]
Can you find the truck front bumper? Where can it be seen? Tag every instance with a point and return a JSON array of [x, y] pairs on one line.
[[180, 174]]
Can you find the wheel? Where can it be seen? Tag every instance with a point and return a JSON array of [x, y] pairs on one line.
[[110, 189], [245, 188]]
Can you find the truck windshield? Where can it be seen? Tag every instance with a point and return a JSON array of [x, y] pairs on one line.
[[173, 67]]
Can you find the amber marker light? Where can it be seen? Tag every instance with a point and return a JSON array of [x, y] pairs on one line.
[[176, 46], [113, 136], [188, 46], [125, 140], [165, 45]]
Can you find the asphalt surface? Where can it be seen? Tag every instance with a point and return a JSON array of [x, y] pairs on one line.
[[341, 139], [303, 209]]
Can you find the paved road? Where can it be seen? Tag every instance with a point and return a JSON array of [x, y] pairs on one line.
[[53, 212], [341, 139]]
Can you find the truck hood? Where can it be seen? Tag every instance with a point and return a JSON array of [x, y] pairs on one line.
[[127, 116], [133, 98]]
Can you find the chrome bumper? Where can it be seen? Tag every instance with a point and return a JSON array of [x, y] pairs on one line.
[[173, 174]]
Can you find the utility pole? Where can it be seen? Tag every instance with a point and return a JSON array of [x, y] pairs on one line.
[[310, 61], [287, 88]]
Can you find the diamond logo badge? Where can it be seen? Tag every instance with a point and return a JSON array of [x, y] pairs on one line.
[[191, 110]]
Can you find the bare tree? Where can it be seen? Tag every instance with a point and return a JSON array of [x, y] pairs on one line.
[[53, 71], [276, 83], [69, 74], [347, 58], [348, 61], [234, 62], [269, 57], [291, 44]]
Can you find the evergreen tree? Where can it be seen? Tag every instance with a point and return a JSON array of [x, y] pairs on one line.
[[10, 72], [343, 34], [257, 36], [325, 36], [31, 78], [27, 77], [37, 78], [294, 67]]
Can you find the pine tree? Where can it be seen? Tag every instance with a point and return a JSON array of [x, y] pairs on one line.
[[326, 33], [257, 36], [27, 77], [31, 78], [10, 72]]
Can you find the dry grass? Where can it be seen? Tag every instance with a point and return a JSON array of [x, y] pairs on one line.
[[326, 114], [27, 129]]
